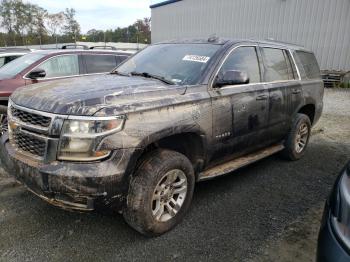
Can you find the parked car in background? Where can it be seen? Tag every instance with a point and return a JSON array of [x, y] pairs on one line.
[[48, 65], [137, 140], [9, 54], [334, 236]]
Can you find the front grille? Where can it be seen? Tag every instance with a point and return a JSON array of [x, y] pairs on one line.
[[30, 118], [3, 124], [30, 144]]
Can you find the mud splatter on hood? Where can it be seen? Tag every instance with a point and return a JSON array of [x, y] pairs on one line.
[[87, 95]]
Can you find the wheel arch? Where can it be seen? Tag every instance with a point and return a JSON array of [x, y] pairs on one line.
[[309, 110], [187, 141]]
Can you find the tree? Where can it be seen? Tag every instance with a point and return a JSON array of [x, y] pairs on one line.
[[36, 21], [54, 24], [94, 35], [22, 19], [72, 27], [7, 20], [143, 30]]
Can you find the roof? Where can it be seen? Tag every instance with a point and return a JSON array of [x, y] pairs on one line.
[[209, 40], [73, 51], [164, 3], [223, 41]]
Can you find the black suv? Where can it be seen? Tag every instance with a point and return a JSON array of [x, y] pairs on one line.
[[175, 113]]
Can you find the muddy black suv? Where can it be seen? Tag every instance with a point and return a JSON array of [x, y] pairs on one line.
[[137, 140]]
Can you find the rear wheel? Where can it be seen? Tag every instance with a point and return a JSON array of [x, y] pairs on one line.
[[298, 138], [160, 193]]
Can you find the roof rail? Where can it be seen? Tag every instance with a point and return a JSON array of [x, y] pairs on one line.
[[103, 47], [270, 39], [84, 47]]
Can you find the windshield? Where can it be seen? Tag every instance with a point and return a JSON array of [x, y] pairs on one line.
[[182, 64], [16, 66]]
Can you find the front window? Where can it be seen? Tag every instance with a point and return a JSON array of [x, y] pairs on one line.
[[182, 64], [12, 69], [243, 59], [61, 66]]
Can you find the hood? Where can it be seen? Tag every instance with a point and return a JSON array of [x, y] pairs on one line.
[[7, 86], [86, 95]]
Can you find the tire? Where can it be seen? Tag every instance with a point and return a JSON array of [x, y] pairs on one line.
[[143, 211], [293, 150]]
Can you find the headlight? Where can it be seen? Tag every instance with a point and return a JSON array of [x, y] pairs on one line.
[[81, 137]]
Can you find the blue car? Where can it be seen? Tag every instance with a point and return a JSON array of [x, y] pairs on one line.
[[334, 236]]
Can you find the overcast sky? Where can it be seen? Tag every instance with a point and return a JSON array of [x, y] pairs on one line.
[[101, 14]]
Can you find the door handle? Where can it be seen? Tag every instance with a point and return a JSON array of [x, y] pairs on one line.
[[296, 91], [261, 97]]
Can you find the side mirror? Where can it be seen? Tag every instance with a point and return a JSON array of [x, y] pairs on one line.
[[37, 73], [232, 77]]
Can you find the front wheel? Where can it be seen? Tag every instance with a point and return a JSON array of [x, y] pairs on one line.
[[160, 193], [298, 138]]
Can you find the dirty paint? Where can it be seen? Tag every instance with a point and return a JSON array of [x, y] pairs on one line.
[[208, 125]]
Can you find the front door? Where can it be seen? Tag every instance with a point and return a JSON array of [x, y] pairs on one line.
[[239, 111]]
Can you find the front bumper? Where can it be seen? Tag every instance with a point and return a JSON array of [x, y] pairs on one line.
[[329, 248], [73, 186]]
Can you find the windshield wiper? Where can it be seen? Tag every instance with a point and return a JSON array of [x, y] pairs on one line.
[[119, 73], [147, 75]]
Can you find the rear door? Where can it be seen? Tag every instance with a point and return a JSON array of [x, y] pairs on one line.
[[239, 111], [282, 85]]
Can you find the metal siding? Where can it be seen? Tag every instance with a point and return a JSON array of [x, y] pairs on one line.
[[320, 25]]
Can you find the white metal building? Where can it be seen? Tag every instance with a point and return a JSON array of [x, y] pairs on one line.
[[320, 25]]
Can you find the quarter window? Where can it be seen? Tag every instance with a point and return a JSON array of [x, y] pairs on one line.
[[61, 66], [100, 63], [310, 65], [277, 65], [243, 59]]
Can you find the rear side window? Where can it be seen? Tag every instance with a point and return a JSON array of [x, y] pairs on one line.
[[2, 61], [243, 59], [277, 65], [309, 63], [61, 66], [100, 63]]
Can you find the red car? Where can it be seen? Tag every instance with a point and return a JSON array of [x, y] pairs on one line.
[[49, 65]]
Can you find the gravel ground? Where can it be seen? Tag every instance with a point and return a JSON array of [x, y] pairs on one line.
[[269, 211]]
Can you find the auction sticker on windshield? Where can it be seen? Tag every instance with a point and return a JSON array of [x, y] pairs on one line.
[[196, 58]]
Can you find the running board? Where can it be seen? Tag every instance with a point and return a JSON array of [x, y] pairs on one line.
[[239, 162]]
